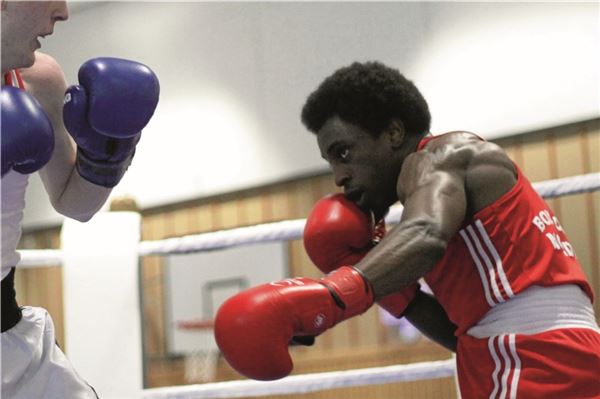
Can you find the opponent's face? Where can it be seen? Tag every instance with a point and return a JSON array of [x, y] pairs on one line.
[[366, 167], [23, 23]]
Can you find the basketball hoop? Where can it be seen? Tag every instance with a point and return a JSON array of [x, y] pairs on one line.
[[200, 363]]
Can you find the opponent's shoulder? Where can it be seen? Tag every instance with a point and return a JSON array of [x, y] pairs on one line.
[[46, 82], [45, 77]]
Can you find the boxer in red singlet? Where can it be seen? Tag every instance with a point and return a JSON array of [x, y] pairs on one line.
[[492, 251]]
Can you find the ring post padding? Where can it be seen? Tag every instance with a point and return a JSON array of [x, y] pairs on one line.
[[102, 315]]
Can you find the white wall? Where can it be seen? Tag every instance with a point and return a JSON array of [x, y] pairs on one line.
[[234, 77]]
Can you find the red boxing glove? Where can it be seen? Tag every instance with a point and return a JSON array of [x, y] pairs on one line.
[[338, 233], [253, 328]]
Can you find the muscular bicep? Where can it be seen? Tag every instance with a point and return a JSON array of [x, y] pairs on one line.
[[436, 195], [431, 187]]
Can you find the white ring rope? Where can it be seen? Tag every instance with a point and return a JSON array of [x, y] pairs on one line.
[[40, 258], [278, 231], [298, 384], [287, 229], [568, 185]]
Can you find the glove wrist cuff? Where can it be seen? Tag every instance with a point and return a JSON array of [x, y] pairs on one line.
[[102, 173], [350, 290]]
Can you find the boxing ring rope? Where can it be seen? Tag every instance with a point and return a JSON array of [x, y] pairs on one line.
[[291, 230], [299, 384], [40, 258]]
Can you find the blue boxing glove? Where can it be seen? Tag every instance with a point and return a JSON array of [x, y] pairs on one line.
[[27, 133], [106, 113]]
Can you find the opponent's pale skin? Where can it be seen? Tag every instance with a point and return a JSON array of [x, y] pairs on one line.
[[23, 22], [81, 139]]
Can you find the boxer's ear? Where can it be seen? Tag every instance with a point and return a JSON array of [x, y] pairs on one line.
[[396, 132]]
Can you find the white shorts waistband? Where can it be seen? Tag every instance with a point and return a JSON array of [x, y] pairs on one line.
[[538, 309]]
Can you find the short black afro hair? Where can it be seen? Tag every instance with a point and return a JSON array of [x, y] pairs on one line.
[[369, 95]]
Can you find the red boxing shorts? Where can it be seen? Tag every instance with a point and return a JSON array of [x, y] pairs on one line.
[[543, 343], [556, 364]]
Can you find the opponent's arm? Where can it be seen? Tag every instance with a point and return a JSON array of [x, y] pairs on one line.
[[104, 116], [69, 193]]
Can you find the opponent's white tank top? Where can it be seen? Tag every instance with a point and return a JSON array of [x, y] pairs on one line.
[[13, 189]]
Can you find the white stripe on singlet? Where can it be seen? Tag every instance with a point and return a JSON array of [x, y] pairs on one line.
[[482, 275], [488, 263], [497, 260]]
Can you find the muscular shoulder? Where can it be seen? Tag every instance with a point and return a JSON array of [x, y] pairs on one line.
[[461, 149], [46, 81], [451, 151], [484, 167]]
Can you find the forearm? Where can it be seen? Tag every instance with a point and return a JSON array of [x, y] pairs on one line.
[[80, 199], [427, 315], [70, 194], [408, 252]]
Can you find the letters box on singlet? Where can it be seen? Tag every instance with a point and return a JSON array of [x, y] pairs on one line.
[[197, 284]]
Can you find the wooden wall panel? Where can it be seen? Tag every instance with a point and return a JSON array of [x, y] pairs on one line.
[[154, 306], [590, 148], [252, 211]]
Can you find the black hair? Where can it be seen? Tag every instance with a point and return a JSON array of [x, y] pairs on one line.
[[369, 95]]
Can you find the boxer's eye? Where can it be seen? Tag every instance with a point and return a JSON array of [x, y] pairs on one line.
[[344, 154]]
